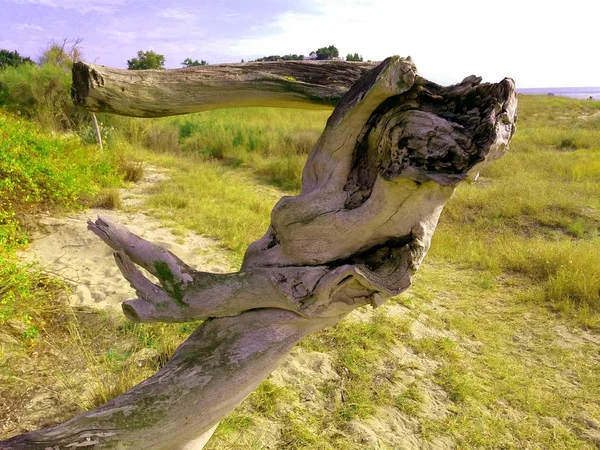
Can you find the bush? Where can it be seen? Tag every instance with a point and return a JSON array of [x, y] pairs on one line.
[[38, 169], [162, 139], [132, 171], [108, 199], [60, 55], [146, 60], [211, 147], [88, 134], [41, 93]]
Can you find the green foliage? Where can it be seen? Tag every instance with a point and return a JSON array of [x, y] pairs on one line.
[[38, 169], [273, 143], [410, 401], [107, 199], [12, 59], [146, 60], [41, 93], [88, 134], [327, 52], [234, 423], [289, 57], [354, 57], [188, 62], [132, 171], [267, 396]]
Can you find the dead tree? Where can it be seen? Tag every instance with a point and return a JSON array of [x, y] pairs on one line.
[[390, 157]]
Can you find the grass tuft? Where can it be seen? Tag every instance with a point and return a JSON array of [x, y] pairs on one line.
[[132, 171], [108, 199]]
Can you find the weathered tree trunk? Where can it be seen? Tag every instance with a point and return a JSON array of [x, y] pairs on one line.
[[158, 93], [373, 188]]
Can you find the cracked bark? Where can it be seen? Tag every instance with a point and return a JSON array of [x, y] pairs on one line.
[[390, 157]]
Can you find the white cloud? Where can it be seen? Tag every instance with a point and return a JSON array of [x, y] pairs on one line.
[[97, 6], [535, 42], [175, 14], [448, 40], [9, 44], [119, 35], [27, 27]]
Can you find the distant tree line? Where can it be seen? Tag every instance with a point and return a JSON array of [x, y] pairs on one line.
[[323, 53], [13, 59], [327, 52], [152, 60], [293, 57], [188, 62], [354, 57], [146, 60]]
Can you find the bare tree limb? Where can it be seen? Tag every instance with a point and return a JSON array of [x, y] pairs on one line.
[[158, 93]]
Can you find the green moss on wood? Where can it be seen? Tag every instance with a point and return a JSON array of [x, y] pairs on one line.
[[167, 279]]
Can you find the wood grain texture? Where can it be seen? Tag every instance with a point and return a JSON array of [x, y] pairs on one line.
[[158, 93]]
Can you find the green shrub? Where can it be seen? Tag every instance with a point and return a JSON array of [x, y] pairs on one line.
[[162, 138], [88, 134], [132, 171], [41, 93], [274, 143], [37, 169]]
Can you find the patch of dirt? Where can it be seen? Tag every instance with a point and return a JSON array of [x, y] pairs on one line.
[[589, 115], [572, 338], [388, 427], [65, 248]]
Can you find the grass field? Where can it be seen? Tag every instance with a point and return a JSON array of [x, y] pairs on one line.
[[514, 266], [509, 295]]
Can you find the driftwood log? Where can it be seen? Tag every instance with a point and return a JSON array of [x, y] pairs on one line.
[[390, 157], [159, 93]]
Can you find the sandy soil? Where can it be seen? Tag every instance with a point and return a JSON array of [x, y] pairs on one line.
[[64, 247]]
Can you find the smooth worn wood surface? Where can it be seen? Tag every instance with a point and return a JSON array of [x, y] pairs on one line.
[[158, 93]]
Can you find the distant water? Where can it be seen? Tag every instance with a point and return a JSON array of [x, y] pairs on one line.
[[578, 92]]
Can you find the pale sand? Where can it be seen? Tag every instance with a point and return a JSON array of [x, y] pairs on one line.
[[66, 249]]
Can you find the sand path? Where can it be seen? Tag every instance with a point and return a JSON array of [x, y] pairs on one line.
[[65, 248]]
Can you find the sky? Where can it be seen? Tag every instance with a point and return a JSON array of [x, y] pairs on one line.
[[537, 43]]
